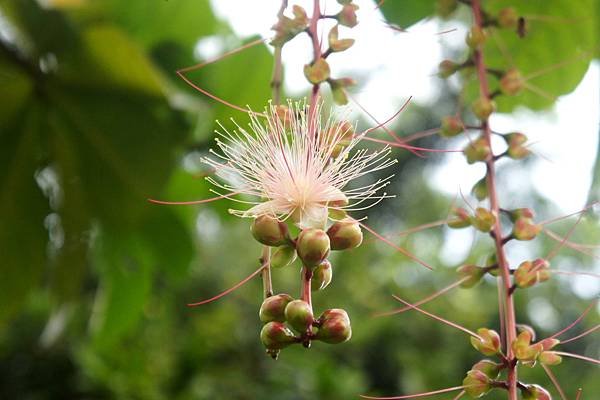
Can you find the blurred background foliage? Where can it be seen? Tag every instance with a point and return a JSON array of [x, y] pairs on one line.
[[94, 280]]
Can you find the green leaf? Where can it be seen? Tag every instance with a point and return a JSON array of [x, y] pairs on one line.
[[14, 85], [405, 13]]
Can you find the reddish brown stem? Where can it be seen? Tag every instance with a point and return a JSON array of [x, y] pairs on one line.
[[509, 309], [306, 289]]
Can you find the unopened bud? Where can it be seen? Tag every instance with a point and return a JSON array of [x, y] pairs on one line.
[[336, 44], [512, 82], [321, 276], [461, 219], [347, 16], [549, 358], [476, 384], [312, 246], [338, 89], [488, 342], [516, 149], [483, 108], [477, 150], [447, 68], [521, 213], [535, 392], [528, 328], [286, 28], [299, 315], [549, 343], [480, 189], [473, 273], [483, 219], [273, 308], [525, 229], [446, 7], [476, 37], [269, 230], [334, 327], [283, 256], [530, 273], [508, 18], [488, 367], [317, 72], [275, 335], [345, 234], [524, 351], [451, 126]]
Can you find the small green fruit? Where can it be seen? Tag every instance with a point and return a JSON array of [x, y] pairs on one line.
[[299, 315], [312, 246], [345, 234], [275, 336], [273, 308], [269, 231], [334, 327]]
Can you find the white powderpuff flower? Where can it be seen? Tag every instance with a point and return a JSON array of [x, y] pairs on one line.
[[294, 168]]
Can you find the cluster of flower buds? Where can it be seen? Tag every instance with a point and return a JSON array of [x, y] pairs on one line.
[[481, 377], [530, 273], [516, 145], [523, 226], [482, 219], [529, 354]]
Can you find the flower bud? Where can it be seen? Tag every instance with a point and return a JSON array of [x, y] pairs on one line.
[[451, 126], [549, 358], [528, 328], [446, 7], [312, 246], [516, 149], [483, 219], [480, 189], [489, 344], [338, 89], [530, 273], [472, 272], [275, 335], [334, 327], [488, 367], [273, 308], [521, 213], [549, 343], [476, 37], [524, 351], [508, 18], [321, 276], [525, 229], [283, 256], [336, 44], [347, 16], [286, 28], [345, 234], [317, 72], [476, 383], [269, 231], [299, 315], [534, 392], [483, 108], [461, 219], [447, 68], [512, 82], [477, 150]]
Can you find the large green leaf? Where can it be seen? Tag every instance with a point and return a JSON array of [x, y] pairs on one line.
[[407, 12]]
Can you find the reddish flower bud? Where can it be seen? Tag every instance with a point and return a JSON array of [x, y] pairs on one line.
[[516, 149], [549, 343], [286, 28], [508, 18], [334, 327], [483, 219], [489, 344], [477, 150], [447, 68], [317, 72], [530, 273], [549, 358], [483, 108], [451, 126], [535, 392], [321, 276], [477, 383], [472, 272], [345, 234], [336, 44], [462, 218], [512, 82], [299, 315], [283, 256], [275, 335], [273, 308], [312, 246], [446, 7], [476, 37], [525, 229], [269, 231], [488, 367], [521, 213], [347, 16]]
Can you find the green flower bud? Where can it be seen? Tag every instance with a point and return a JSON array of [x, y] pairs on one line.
[[312, 246], [317, 72], [321, 276], [525, 229], [273, 308], [512, 82], [461, 219], [516, 149], [283, 256], [508, 18], [338, 89], [521, 213], [476, 37], [334, 327], [447, 68], [476, 383], [488, 367], [286, 28], [451, 126], [472, 272], [530, 273], [489, 344], [549, 358], [269, 231], [483, 219], [299, 315], [480, 189], [535, 392], [336, 44], [275, 336], [347, 16], [483, 108], [524, 351], [345, 234], [477, 150]]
